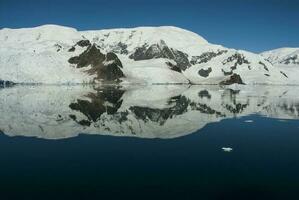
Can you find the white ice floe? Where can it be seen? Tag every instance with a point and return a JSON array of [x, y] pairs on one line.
[[227, 149]]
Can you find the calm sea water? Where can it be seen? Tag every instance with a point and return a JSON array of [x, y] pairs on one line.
[[153, 142]]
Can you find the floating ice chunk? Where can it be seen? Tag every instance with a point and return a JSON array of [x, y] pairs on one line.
[[282, 120], [227, 149], [248, 121]]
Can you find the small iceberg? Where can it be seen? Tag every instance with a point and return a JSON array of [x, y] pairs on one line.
[[248, 121], [227, 149], [282, 120]]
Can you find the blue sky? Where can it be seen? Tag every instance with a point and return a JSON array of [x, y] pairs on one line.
[[254, 25]]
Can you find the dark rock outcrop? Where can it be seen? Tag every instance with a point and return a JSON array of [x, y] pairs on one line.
[[238, 58], [83, 43], [291, 60], [264, 65], [205, 57], [204, 94], [121, 48], [284, 74], [235, 78], [58, 47], [72, 49], [205, 72], [6, 83], [106, 67], [173, 67], [161, 50]]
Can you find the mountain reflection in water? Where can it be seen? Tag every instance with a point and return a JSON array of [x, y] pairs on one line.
[[156, 111]]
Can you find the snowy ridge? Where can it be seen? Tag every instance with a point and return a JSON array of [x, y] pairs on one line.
[[286, 60], [52, 54], [135, 37], [40, 33], [285, 55], [30, 55]]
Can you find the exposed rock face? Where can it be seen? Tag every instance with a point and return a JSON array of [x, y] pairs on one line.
[[291, 60], [84, 43], [205, 72], [205, 57], [238, 58], [81, 43], [141, 53], [6, 83], [235, 60], [235, 78], [284, 74], [265, 67], [106, 67], [204, 94], [161, 50], [120, 48], [58, 47], [173, 67], [72, 49]]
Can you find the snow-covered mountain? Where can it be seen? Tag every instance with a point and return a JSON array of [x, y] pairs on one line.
[[158, 111], [284, 56], [285, 60], [55, 55]]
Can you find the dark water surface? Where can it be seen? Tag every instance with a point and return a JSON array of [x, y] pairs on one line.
[[43, 157]]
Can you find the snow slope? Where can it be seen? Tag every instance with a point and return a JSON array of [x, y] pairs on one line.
[[288, 56], [52, 54], [38, 55], [285, 59]]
